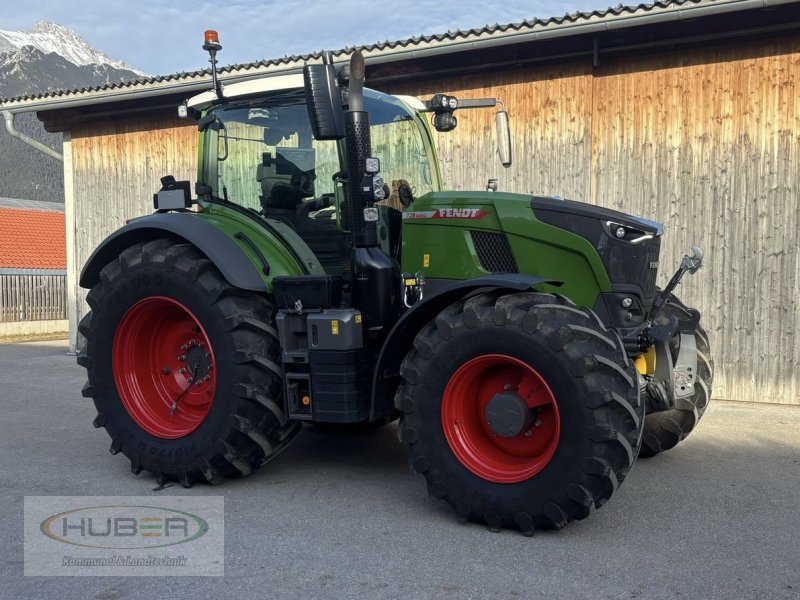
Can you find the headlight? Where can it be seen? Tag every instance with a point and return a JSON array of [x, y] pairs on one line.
[[626, 233]]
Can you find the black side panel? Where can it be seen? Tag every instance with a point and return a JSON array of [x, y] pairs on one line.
[[231, 260], [312, 291], [592, 211], [439, 294]]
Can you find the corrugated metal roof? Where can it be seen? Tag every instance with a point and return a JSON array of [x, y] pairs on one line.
[[32, 204], [32, 239], [455, 38]]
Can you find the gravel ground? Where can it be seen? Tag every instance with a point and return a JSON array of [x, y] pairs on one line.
[[343, 516]]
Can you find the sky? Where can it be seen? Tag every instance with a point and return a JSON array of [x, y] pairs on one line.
[[162, 37]]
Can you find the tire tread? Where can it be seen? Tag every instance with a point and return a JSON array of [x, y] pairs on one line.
[[598, 363], [257, 429]]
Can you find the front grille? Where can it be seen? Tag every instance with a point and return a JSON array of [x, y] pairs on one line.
[[631, 264], [649, 279], [493, 251]]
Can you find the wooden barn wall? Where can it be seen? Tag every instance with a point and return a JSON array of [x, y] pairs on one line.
[[709, 143], [551, 117], [706, 141], [116, 170]]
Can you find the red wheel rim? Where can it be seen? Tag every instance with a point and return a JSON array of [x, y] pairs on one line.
[[482, 451], [164, 367]]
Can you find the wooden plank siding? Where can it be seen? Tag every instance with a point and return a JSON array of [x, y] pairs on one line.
[[551, 116], [116, 170], [706, 141]]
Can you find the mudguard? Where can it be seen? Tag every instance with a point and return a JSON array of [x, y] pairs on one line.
[[387, 370], [229, 258]]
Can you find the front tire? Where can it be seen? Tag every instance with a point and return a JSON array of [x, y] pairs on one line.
[[573, 375], [666, 429], [182, 367]]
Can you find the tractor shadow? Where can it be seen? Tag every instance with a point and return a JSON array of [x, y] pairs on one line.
[[360, 453], [725, 481], [317, 457]]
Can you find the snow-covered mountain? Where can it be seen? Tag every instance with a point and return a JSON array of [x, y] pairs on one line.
[[47, 58], [50, 38], [30, 71]]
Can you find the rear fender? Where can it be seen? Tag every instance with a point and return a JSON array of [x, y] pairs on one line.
[[239, 268], [386, 377]]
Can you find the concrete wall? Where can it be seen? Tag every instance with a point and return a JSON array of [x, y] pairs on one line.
[[23, 328]]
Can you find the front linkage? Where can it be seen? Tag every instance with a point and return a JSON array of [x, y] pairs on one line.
[[670, 375]]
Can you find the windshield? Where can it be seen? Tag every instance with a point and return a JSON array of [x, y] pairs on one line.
[[400, 144], [261, 153]]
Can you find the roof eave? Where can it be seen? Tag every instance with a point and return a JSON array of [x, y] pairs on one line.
[[398, 51]]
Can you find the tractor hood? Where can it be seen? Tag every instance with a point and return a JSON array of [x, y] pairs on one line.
[[599, 247], [542, 205], [545, 208]]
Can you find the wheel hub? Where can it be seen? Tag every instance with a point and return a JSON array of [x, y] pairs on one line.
[[508, 415], [500, 418], [198, 362], [163, 367]]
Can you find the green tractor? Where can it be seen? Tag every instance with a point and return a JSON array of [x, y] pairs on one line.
[[520, 340]]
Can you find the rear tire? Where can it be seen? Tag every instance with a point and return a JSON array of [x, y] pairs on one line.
[[590, 436], [234, 422], [666, 429]]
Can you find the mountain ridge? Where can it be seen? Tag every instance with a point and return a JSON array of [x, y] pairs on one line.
[[52, 38], [28, 69]]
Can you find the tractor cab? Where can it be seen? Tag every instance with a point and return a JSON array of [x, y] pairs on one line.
[[258, 152]]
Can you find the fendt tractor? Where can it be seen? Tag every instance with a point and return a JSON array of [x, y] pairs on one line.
[[319, 274]]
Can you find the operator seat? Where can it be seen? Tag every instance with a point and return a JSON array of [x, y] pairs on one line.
[[283, 188]]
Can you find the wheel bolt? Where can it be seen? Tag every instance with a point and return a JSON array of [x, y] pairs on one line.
[[183, 347], [537, 424], [207, 377], [190, 379], [191, 342], [183, 370], [528, 433], [182, 358], [201, 345], [506, 387], [199, 382]]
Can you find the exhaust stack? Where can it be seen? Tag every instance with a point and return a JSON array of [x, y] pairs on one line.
[[375, 275], [358, 145]]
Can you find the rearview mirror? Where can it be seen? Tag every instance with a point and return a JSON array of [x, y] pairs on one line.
[[503, 138], [324, 102]]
